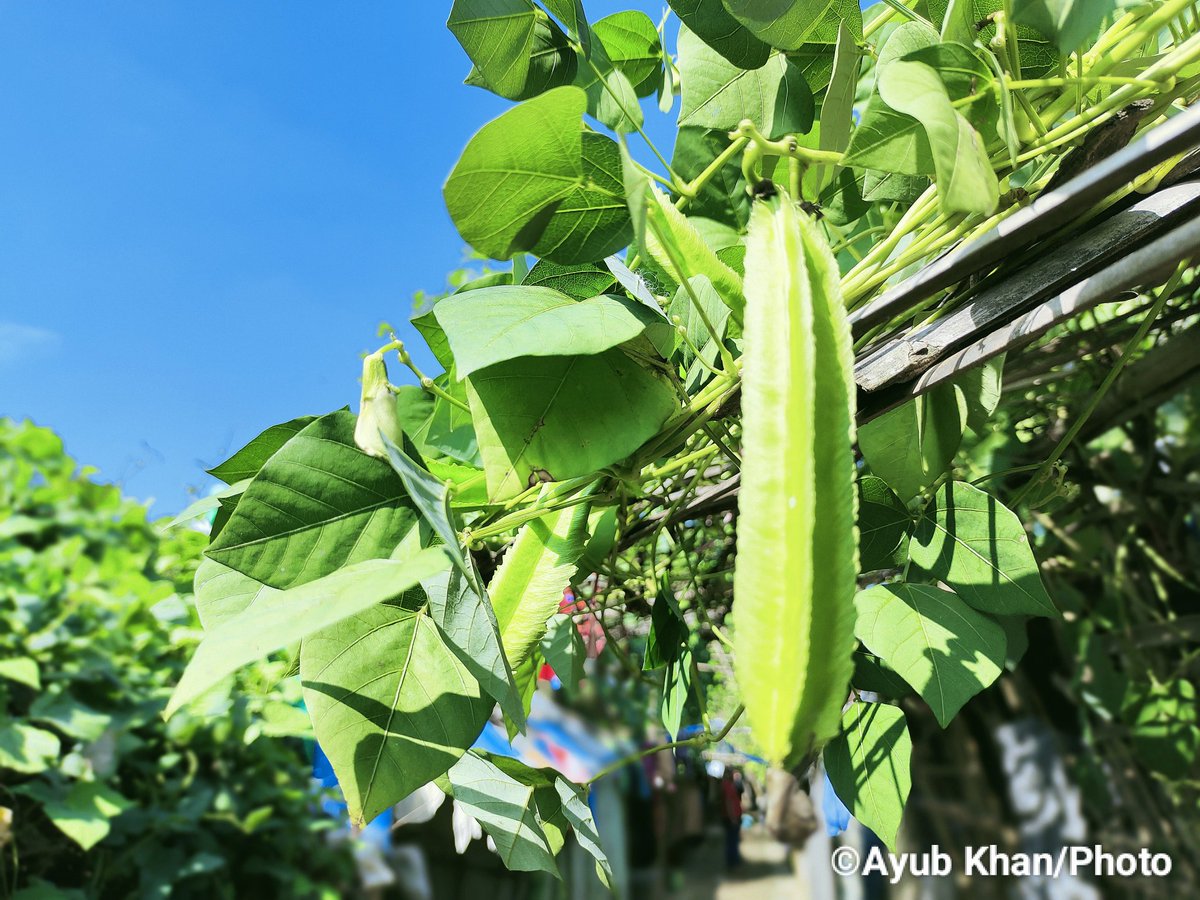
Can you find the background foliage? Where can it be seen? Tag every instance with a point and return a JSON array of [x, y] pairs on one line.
[[101, 797]]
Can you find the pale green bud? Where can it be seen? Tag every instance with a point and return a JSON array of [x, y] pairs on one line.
[[377, 411]]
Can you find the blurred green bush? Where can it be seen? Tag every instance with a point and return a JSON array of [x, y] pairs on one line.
[[99, 797]]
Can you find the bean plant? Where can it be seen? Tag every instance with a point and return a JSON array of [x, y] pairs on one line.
[[668, 338]]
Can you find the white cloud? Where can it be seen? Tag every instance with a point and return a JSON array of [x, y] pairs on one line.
[[19, 342]]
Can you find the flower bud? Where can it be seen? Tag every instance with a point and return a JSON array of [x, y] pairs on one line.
[[377, 411]]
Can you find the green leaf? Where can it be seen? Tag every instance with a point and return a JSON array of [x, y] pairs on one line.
[[889, 141], [26, 749], [723, 198], [432, 499], [82, 812], [837, 109], [525, 678], [469, 483], [281, 619], [220, 593], [498, 37], [581, 280], [712, 23], [947, 651], [553, 418], [905, 39], [1016, 639], [1163, 726], [781, 23], [206, 505], [981, 388], [719, 95], [959, 22], [797, 546], [869, 766], [469, 627], [592, 221], [668, 632], [447, 429], [890, 187], [632, 44], [910, 446], [683, 308], [71, 716], [247, 461], [225, 510], [883, 526], [668, 84], [968, 539], [678, 248], [1071, 23], [611, 96], [677, 687], [21, 669], [502, 323], [602, 535], [552, 62], [528, 586], [577, 812], [563, 649], [507, 808], [815, 57], [318, 504], [637, 193], [393, 707], [435, 338], [515, 171], [872, 674], [570, 14], [966, 181], [842, 199]]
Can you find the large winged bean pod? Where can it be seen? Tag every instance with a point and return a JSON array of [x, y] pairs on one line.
[[797, 546]]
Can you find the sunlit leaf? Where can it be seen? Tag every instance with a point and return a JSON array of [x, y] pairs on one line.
[[317, 504], [496, 324], [283, 618], [393, 707], [553, 418], [248, 460], [592, 220], [968, 539], [515, 171], [947, 651], [507, 807], [498, 36]]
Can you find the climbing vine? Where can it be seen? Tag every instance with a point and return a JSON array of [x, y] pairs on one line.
[[671, 339]]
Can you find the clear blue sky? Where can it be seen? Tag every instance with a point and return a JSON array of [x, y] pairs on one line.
[[207, 208]]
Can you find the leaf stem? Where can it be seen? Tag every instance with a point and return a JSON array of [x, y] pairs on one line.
[[690, 190], [701, 740], [676, 181], [426, 382]]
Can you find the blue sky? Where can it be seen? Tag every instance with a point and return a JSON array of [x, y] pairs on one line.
[[207, 208]]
